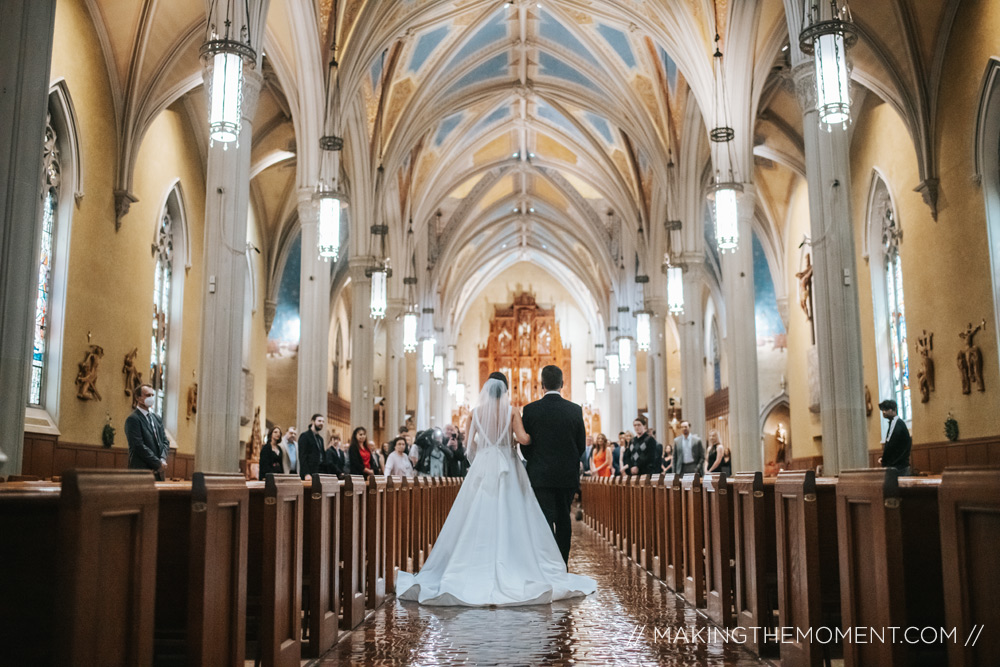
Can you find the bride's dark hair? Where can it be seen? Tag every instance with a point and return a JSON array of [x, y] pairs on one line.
[[497, 375]]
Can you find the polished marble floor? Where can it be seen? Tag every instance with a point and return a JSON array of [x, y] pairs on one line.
[[633, 619]]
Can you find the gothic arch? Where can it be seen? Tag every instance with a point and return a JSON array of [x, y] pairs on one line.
[[987, 147], [173, 205]]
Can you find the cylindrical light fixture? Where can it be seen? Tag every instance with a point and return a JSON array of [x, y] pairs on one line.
[[624, 352], [452, 377], [379, 293], [438, 369], [600, 378], [675, 290], [613, 368], [642, 330], [328, 243], [225, 96], [590, 390], [427, 354], [410, 331], [727, 218], [460, 393], [828, 33]]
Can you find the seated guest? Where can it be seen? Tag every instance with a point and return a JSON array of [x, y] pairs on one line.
[[398, 463], [600, 457], [270, 454], [896, 449]]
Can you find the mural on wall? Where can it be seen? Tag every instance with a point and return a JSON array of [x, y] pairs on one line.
[[283, 338], [772, 337]]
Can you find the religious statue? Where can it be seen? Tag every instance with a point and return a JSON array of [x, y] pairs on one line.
[[970, 360], [253, 448], [925, 376], [133, 378], [86, 377], [869, 408], [805, 277], [781, 435], [192, 400]]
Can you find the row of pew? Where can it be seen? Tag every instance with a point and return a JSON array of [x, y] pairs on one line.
[[114, 568], [868, 553]]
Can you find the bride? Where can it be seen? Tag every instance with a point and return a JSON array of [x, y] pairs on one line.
[[495, 547]]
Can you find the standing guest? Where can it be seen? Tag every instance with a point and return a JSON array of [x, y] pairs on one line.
[[600, 457], [667, 459], [359, 456], [896, 449], [334, 461], [458, 464], [270, 454], [644, 459], [312, 447], [717, 458], [290, 451], [625, 452], [398, 462], [689, 453], [147, 440], [433, 454], [378, 463], [616, 460], [585, 459]]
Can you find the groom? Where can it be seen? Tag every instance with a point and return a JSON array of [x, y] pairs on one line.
[[558, 439]]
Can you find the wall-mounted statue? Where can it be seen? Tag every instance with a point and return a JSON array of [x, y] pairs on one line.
[[133, 378], [86, 377], [970, 360], [805, 277], [192, 400], [868, 402], [925, 376]]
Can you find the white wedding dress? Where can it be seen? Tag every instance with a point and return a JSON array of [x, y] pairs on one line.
[[495, 547]]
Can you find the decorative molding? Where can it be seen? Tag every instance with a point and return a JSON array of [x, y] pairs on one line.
[[929, 189], [123, 201]]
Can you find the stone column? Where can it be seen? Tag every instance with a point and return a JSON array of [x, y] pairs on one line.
[[836, 315], [362, 345], [26, 53], [220, 371], [691, 329], [395, 392], [658, 388], [741, 343], [629, 392], [314, 316]]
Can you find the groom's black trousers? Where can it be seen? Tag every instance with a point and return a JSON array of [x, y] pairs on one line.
[[555, 504]]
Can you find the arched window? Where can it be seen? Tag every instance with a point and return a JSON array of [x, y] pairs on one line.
[[50, 204], [884, 237], [716, 358], [162, 283], [337, 356]]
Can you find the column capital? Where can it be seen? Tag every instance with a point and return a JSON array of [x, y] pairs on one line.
[[395, 308], [253, 80], [358, 264], [657, 306], [804, 76], [307, 209]]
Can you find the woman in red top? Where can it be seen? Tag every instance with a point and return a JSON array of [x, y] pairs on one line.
[[360, 457]]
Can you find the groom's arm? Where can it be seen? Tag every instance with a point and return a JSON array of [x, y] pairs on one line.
[[580, 436]]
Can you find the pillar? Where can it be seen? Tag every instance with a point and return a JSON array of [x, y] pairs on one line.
[[659, 395], [836, 315], [741, 343], [362, 345], [691, 330], [395, 391], [26, 52], [314, 316], [220, 371]]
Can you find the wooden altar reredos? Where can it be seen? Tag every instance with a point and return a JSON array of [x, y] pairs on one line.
[[524, 339]]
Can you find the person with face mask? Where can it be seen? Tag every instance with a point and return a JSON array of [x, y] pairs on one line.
[[147, 440]]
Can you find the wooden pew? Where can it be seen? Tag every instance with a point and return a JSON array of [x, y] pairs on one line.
[[406, 559], [634, 523], [756, 594], [321, 563], [808, 570], [969, 505], [201, 571], [393, 550], [274, 569], [352, 551], [693, 540], [419, 522], [674, 539], [661, 519], [890, 564], [375, 525], [718, 549], [646, 519]]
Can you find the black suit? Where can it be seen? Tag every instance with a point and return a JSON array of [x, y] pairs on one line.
[[147, 444], [270, 461], [558, 440], [896, 452], [334, 462], [357, 463], [311, 450]]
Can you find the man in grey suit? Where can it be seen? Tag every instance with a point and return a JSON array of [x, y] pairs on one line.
[[689, 453], [147, 440]]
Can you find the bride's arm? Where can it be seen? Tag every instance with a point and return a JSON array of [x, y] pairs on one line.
[[470, 444], [517, 426]]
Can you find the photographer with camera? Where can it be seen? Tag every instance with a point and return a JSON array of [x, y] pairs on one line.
[[458, 464], [432, 454]]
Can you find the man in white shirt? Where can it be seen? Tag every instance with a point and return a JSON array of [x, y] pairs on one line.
[[689, 453]]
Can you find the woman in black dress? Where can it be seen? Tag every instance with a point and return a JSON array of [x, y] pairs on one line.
[[270, 454]]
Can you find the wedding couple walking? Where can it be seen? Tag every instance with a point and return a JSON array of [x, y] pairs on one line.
[[506, 540]]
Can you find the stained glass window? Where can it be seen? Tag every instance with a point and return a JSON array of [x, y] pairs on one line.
[[161, 311], [50, 202], [896, 314]]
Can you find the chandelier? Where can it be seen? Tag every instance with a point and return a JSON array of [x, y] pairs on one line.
[[427, 353], [452, 380], [438, 368], [600, 378], [460, 393], [613, 369], [410, 331], [642, 330], [330, 203], [724, 193], [675, 289], [329, 198], [828, 32], [590, 390], [229, 51], [624, 352]]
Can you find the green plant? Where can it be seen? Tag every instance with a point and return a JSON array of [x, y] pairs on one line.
[[108, 435], [951, 428]]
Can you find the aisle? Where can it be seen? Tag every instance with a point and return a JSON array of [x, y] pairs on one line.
[[614, 626]]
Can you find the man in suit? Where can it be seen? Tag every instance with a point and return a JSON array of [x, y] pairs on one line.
[[334, 460], [896, 449], [290, 451], [147, 440], [689, 452], [558, 440], [312, 447]]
